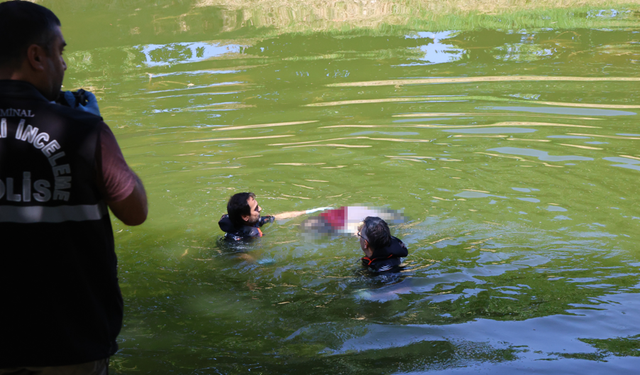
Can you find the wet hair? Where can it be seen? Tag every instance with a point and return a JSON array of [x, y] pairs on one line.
[[377, 232], [22, 24], [238, 206]]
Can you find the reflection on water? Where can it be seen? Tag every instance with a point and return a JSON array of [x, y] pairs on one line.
[[184, 53], [567, 111], [541, 155], [507, 139], [435, 52]]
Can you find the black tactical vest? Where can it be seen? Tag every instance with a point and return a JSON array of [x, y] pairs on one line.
[[61, 303]]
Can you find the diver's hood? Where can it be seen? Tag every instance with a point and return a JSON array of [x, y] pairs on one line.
[[226, 225], [396, 249]]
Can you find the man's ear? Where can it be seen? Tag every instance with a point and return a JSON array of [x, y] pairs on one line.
[[35, 57], [246, 217], [367, 250]]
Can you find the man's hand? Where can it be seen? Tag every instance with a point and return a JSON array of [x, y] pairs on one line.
[[133, 209], [266, 219], [90, 106]]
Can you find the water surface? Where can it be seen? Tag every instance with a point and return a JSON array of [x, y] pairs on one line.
[[513, 151]]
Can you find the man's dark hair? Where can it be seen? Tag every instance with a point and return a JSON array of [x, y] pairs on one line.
[[377, 233], [22, 24], [239, 207]]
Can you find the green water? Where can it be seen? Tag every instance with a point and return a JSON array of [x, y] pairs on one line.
[[512, 151]]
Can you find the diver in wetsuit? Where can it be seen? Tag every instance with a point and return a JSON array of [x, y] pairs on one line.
[[383, 252], [243, 221]]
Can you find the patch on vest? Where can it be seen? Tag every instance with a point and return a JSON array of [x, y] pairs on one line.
[[39, 190], [15, 112]]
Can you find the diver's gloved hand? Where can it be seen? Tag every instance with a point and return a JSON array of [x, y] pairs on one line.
[[266, 219], [83, 101]]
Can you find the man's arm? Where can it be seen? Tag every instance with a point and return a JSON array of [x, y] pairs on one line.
[[121, 187], [133, 209], [291, 214]]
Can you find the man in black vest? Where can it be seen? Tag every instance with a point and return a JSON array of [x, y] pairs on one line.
[[60, 168]]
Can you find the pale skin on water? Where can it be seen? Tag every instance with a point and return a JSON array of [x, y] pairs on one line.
[[254, 215]]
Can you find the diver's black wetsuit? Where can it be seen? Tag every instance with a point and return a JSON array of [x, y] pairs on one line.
[[387, 259], [244, 232]]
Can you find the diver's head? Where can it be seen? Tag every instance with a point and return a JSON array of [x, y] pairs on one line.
[[243, 209], [374, 235]]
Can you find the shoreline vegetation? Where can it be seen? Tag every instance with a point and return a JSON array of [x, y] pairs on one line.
[[167, 32], [291, 16], [238, 19]]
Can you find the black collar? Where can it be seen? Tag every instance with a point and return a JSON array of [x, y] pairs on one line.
[[20, 90]]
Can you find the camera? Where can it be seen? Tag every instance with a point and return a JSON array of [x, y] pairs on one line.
[[80, 98]]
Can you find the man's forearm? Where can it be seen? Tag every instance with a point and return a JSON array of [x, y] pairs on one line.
[[133, 209]]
